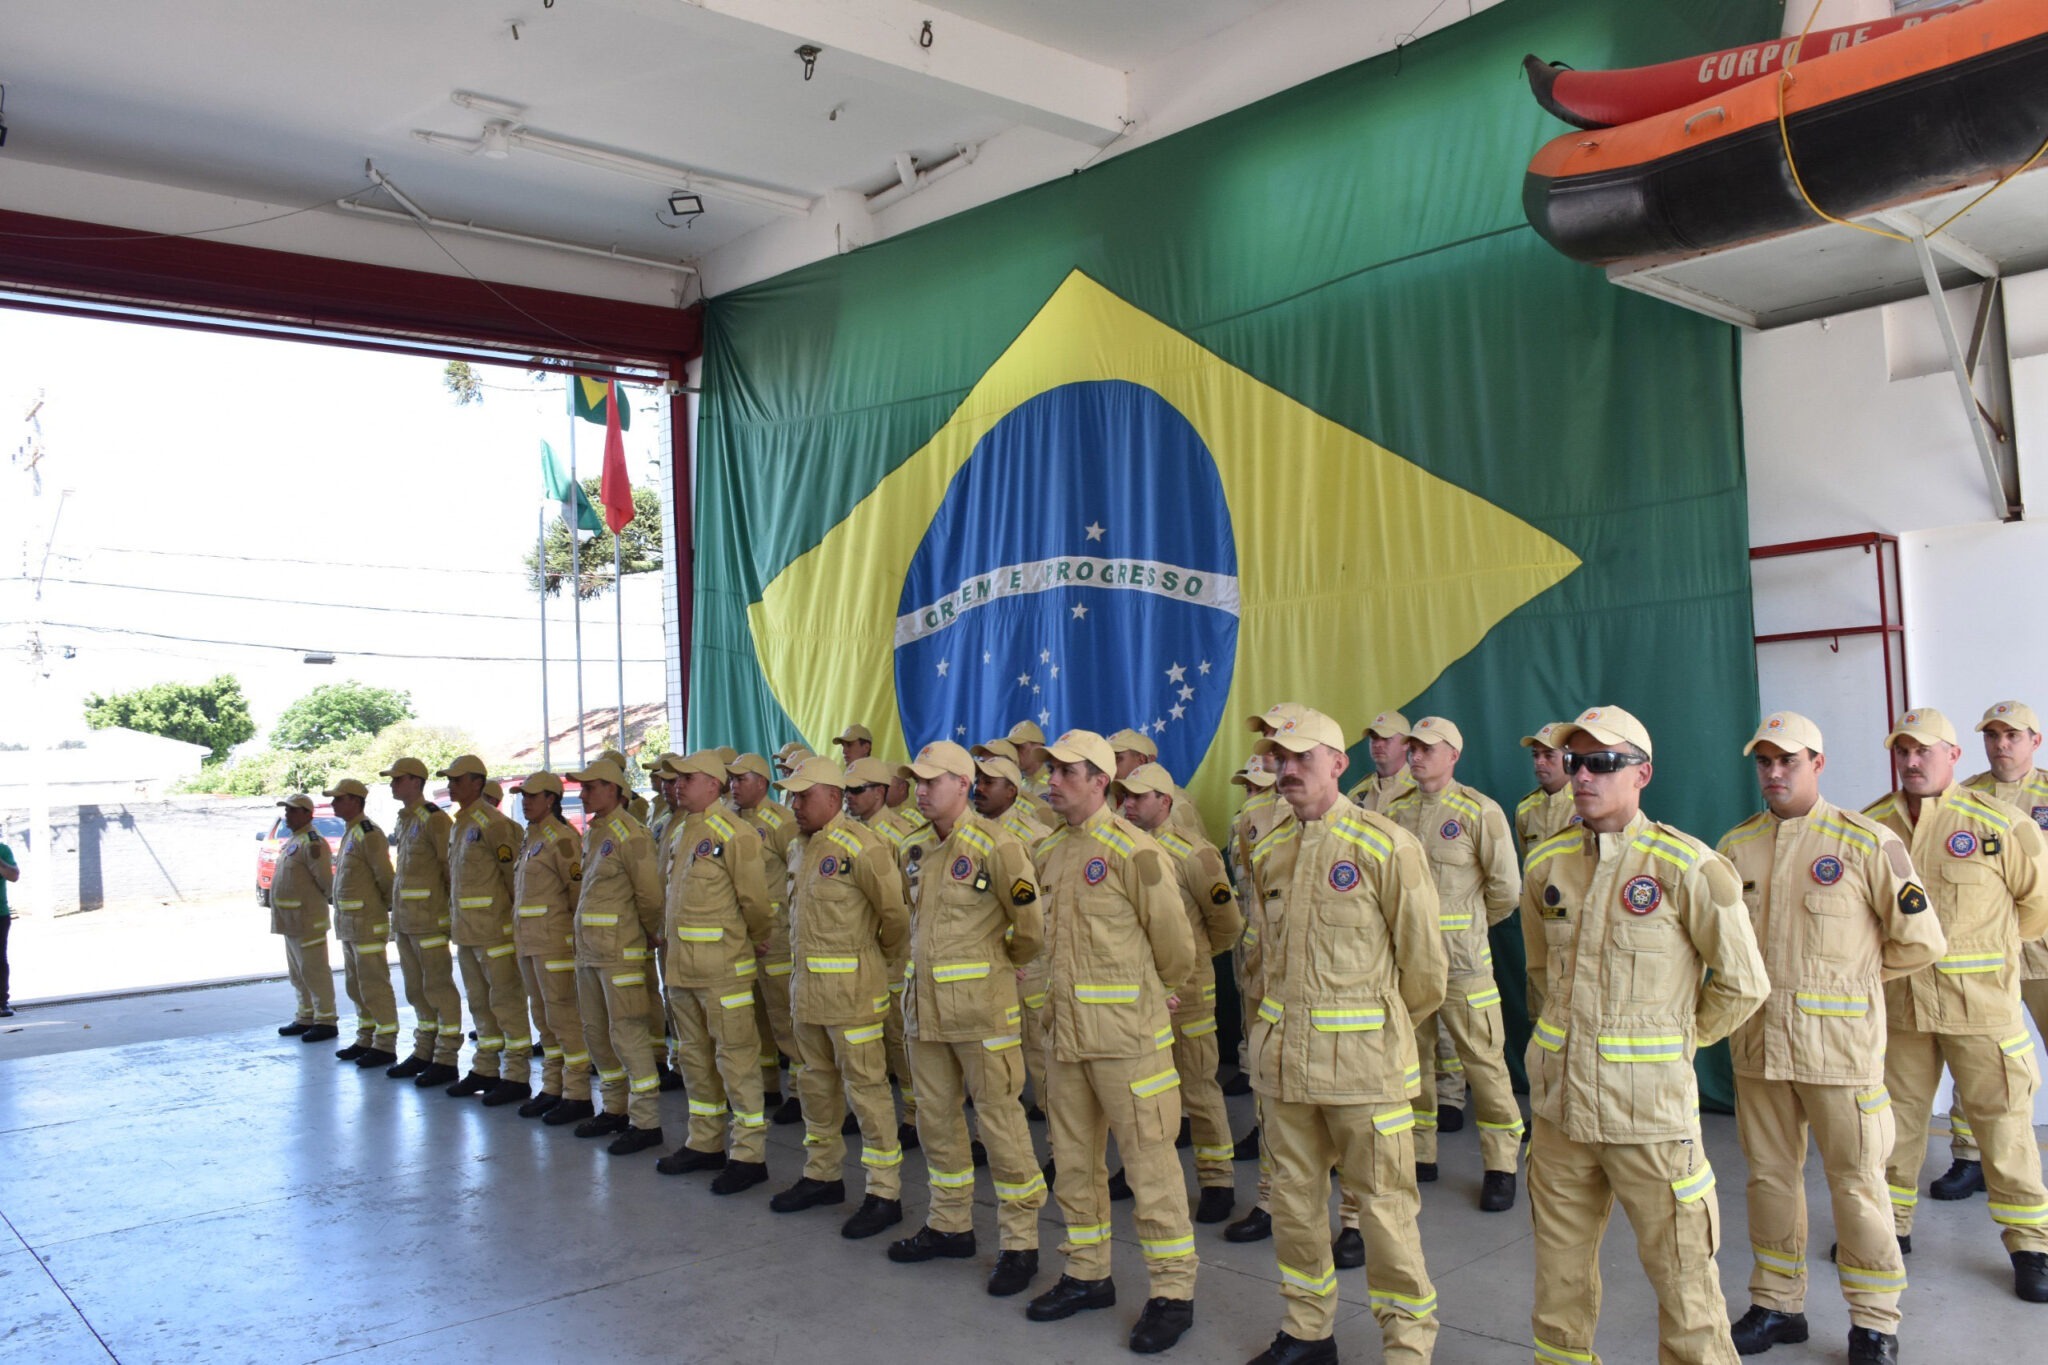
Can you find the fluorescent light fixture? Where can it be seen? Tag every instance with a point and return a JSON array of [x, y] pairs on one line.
[[684, 205]]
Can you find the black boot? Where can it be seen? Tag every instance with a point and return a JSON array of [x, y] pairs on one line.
[[2030, 1275], [538, 1105], [1761, 1328], [601, 1125], [1348, 1251], [1119, 1188], [292, 1030], [1867, 1346], [1450, 1118], [350, 1053], [1960, 1181], [849, 1125], [1013, 1274], [874, 1214], [684, 1160], [1247, 1148], [1255, 1226], [507, 1092], [435, 1073], [568, 1112], [472, 1084], [790, 1111], [1216, 1204], [926, 1243], [1425, 1172], [320, 1033], [906, 1136], [1240, 1084], [740, 1175], [669, 1079], [407, 1069], [634, 1140], [977, 1153], [1497, 1192], [1287, 1350], [1070, 1296], [808, 1193], [1186, 1137], [1163, 1322], [375, 1057]]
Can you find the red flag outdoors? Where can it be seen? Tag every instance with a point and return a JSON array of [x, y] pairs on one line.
[[615, 490]]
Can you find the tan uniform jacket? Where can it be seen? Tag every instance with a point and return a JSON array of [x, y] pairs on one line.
[[1464, 834], [1985, 866], [911, 837], [1255, 819], [618, 913], [1213, 918], [544, 886], [718, 901], [419, 877], [636, 806], [1640, 952], [1376, 793], [1837, 910], [1034, 809], [1346, 958], [298, 888], [849, 926], [1185, 819], [2031, 796], [1115, 935], [1541, 814], [362, 884], [482, 848], [658, 829], [979, 921], [776, 824]]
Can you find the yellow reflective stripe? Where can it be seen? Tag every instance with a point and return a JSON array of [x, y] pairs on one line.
[[1276, 836], [1156, 1084], [1451, 924], [475, 902], [1460, 801], [532, 911], [1035, 1185], [417, 893], [1876, 1281], [435, 941], [706, 1110], [642, 1084], [1200, 1028], [720, 826], [737, 1000], [1406, 1304], [1012, 1014], [1847, 833], [844, 840], [755, 1119], [1959, 1126], [1163, 1037], [975, 839], [1322, 1286], [1088, 1235], [1209, 991], [1515, 1127], [959, 971], [1549, 1036], [502, 950], [1096, 994], [1561, 1355], [1965, 964], [1355, 831], [882, 1000], [1104, 834], [1778, 1262], [2017, 1046], [1666, 1047], [1904, 1196], [866, 1033], [348, 905], [743, 966], [832, 964], [598, 920], [315, 940], [950, 1180], [1219, 1153], [639, 954], [616, 1074], [1167, 1248], [560, 964], [1483, 999], [1346, 1019], [881, 1156], [1425, 1119], [630, 979], [289, 905], [1874, 1101], [1550, 848], [699, 933], [778, 968], [1173, 843], [1394, 1120], [1035, 1002], [1657, 845], [2020, 1215], [1694, 1186], [1842, 1006], [1003, 1043], [1449, 1064], [1270, 1009]]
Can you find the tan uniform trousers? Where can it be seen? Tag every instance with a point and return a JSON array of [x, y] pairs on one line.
[[366, 975], [1450, 1068], [613, 1003], [900, 1068], [305, 961], [1667, 1191], [1995, 1080], [497, 1006], [773, 1026], [842, 1064], [1963, 1140], [718, 1051], [551, 992], [1195, 1057], [1372, 1147], [1853, 1128], [428, 970], [1479, 1035], [1032, 1020], [1084, 1102], [993, 1073], [659, 1030], [1348, 1203]]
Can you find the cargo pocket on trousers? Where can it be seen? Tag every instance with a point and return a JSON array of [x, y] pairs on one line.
[[1155, 1106], [1696, 1221]]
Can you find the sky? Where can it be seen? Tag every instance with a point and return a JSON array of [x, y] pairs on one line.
[[233, 503]]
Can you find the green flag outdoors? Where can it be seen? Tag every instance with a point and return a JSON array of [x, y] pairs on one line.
[[587, 400], [565, 494]]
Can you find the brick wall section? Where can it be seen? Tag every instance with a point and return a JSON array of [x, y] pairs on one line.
[[140, 853]]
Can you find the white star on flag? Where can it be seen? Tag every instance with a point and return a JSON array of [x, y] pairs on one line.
[[1055, 670], [1094, 530], [960, 730], [1177, 712], [985, 658], [1176, 673], [1186, 692], [943, 666], [1080, 611], [1023, 680], [1158, 727], [1045, 717], [1045, 656], [1205, 668]]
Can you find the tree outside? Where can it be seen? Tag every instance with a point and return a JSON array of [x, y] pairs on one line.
[[336, 711], [213, 713], [639, 543]]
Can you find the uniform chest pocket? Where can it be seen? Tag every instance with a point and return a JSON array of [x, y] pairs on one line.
[[1108, 929], [1342, 911], [1833, 927], [1644, 959]]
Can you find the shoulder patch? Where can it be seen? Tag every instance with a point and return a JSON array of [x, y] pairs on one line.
[[719, 824], [1354, 828], [1173, 843], [769, 816], [845, 839], [1110, 835], [1149, 865], [1221, 894], [1662, 842], [1461, 801], [1566, 842], [1022, 892], [1983, 811], [975, 839]]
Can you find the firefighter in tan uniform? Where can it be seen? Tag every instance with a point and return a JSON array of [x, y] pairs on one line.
[[1640, 953], [1386, 740], [850, 935], [1837, 911], [298, 913], [1548, 809], [910, 837], [1031, 761], [362, 911], [2012, 739], [1134, 749], [718, 913], [419, 921], [1347, 957], [618, 930], [482, 849], [545, 881], [1471, 853], [1986, 870], [855, 742], [1028, 806], [1145, 797], [1116, 936], [999, 797], [747, 780], [978, 922]]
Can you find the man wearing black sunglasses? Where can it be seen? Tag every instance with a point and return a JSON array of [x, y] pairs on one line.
[[1640, 952]]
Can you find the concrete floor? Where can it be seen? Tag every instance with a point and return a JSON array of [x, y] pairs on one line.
[[179, 1184]]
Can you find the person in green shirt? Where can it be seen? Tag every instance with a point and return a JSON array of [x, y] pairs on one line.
[[8, 873]]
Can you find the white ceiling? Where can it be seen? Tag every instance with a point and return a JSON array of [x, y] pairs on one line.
[[282, 102]]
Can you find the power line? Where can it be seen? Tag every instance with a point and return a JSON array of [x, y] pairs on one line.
[[310, 563], [310, 649], [297, 602]]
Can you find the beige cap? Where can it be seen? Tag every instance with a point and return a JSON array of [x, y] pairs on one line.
[[2017, 714], [1133, 742], [659, 762], [1546, 737], [1788, 730], [750, 763], [792, 747], [1925, 724], [1146, 777], [494, 791], [1252, 779], [868, 772], [542, 783], [614, 756], [1300, 733], [603, 770], [1387, 725], [1272, 717], [405, 767], [816, 772], [726, 754], [854, 732], [792, 755], [705, 761], [348, 786], [464, 765], [998, 766], [996, 748], [1083, 746], [935, 759], [299, 802], [1026, 732], [1609, 725], [1437, 730]]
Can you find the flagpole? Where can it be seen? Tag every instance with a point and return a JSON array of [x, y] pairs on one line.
[[540, 551], [576, 581], [619, 638]]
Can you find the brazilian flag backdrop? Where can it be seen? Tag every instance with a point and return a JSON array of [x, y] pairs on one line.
[[1291, 406]]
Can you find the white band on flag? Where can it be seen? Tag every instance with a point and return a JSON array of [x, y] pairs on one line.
[[1070, 571]]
